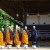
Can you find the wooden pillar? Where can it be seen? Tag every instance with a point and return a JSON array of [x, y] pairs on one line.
[[24, 18]]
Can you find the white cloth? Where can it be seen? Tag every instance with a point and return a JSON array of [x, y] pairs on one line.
[[18, 46], [25, 46], [34, 46], [9, 46], [1, 47]]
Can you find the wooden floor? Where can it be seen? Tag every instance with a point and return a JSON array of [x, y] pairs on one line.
[[39, 48]]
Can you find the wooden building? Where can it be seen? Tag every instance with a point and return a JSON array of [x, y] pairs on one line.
[[31, 12]]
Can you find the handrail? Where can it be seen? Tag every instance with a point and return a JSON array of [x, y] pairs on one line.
[[44, 33]]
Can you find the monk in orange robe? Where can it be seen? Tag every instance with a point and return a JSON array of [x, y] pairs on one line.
[[25, 37], [9, 39], [17, 40], [2, 43]]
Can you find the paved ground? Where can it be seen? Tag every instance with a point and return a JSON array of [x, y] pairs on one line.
[[39, 48]]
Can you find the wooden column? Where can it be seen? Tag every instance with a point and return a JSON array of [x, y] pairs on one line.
[[24, 17]]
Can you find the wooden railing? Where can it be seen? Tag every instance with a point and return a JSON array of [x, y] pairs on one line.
[[44, 34]]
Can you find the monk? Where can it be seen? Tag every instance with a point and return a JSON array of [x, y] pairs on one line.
[[2, 42], [9, 38], [17, 38], [34, 37], [25, 37]]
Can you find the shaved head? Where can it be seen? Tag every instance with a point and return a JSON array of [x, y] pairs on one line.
[[26, 27], [34, 27]]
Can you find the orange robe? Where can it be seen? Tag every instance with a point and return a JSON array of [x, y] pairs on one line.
[[17, 39], [8, 40], [25, 37], [2, 43]]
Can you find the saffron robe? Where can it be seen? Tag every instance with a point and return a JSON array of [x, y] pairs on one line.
[[8, 38], [2, 43], [25, 37], [17, 38]]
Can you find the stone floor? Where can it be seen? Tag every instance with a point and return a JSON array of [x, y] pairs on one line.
[[38, 48]]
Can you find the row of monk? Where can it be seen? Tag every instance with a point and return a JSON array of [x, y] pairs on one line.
[[19, 37]]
